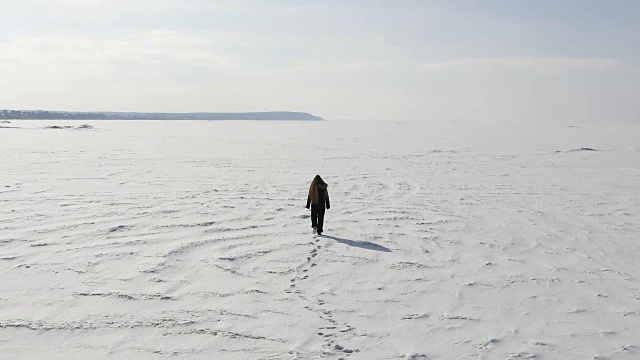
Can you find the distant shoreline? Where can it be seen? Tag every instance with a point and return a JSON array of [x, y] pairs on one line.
[[102, 115]]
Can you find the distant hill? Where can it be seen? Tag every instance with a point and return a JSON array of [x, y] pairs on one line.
[[71, 115]]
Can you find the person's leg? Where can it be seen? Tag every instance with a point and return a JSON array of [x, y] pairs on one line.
[[314, 216], [320, 218]]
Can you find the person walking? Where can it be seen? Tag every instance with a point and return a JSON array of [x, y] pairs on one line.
[[318, 199]]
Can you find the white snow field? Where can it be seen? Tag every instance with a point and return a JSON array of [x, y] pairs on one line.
[[190, 240]]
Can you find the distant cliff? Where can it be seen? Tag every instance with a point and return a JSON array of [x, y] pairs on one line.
[[70, 115]]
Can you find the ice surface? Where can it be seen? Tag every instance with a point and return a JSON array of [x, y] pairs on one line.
[[190, 240]]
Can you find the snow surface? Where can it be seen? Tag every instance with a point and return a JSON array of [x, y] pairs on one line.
[[190, 240]]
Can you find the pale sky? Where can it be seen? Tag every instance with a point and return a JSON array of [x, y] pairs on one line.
[[492, 60]]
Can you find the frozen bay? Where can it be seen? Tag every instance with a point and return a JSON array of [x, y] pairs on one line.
[[189, 239]]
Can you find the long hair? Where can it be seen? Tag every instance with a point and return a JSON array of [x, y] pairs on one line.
[[317, 185]]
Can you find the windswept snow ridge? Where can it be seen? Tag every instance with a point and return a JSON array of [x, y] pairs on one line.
[[190, 240]]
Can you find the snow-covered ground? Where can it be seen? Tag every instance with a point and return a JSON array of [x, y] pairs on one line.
[[190, 240]]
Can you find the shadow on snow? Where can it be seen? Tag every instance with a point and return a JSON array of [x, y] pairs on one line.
[[361, 244]]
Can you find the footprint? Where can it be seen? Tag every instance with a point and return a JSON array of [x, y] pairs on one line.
[[349, 328], [343, 349]]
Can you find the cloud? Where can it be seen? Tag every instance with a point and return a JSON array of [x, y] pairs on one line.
[[527, 63], [151, 47], [168, 70]]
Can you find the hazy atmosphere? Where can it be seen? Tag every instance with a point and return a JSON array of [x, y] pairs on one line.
[[296, 180], [550, 61]]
